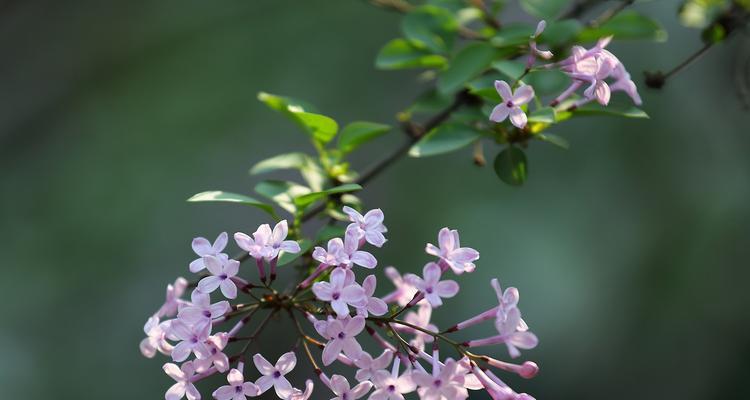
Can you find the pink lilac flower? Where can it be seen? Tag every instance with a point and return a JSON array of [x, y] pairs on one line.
[[340, 386], [510, 335], [192, 340], [371, 304], [201, 310], [535, 52], [215, 357], [460, 259], [370, 226], [278, 242], [302, 395], [341, 291], [431, 286], [350, 254], [221, 276], [332, 255], [625, 84], [507, 300], [368, 365], [237, 389], [273, 375], [420, 318], [599, 89], [173, 300], [184, 387], [511, 104], [342, 336], [391, 386], [444, 383], [255, 245], [404, 292], [202, 247], [156, 333]]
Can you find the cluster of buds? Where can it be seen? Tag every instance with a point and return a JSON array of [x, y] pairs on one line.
[[343, 310], [589, 68]]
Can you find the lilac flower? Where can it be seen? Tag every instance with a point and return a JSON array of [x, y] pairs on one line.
[[625, 84], [420, 318], [371, 304], [510, 335], [156, 333], [431, 286], [273, 375], [332, 255], [370, 226], [350, 255], [404, 292], [192, 340], [599, 89], [545, 54], [300, 395], [444, 383], [172, 301], [215, 357], [342, 336], [460, 259], [183, 387], [507, 300], [256, 245], [341, 292], [391, 386], [221, 276], [511, 104], [368, 365], [237, 389], [202, 247], [340, 386], [201, 310], [278, 242]]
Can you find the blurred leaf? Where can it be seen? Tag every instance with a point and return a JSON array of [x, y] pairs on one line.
[[358, 133], [560, 33], [286, 258], [351, 201], [597, 109], [468, 63], [320, 127], [701, 13], [400, 54], [308, 167], [546, 82], [431, 28], [282, 192], [511, 69], [554, 139], [513, 35], [545, 9], [443, 139], [329, 232], [228, 197], [628, 24], [430, 102], [544, 115], [484, 87], [510, 166], [305, 200]]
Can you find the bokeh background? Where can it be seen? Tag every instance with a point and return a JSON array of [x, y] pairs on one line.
[[630, 249]]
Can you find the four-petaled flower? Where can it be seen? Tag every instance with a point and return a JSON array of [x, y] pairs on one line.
[[460, 259], [192, 339], [201, 310], [156, 333], [390, 386], [221, 276], [273, 375], [420, 318], [341, 292], [277, 242], [369, 226], [202, 247], [371, 304], [173, 301], [368, 365], [513, 337], [183, 387], [445, 383], [216, 357], [237, 389], [431, 286], [512, 102], [342, 336], [404, 292], [340, 386]]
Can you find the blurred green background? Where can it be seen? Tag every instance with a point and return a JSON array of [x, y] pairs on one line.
[[630, 250]]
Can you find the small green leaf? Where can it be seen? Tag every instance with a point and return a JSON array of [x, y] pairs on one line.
[[510, 166], [468, 63], [358, 133], [400, 54], [511, 69], [545, 9], [320, 127], [554, 139], [286, 258], [305, 200], [547, 82], [629, 24], [329, 232], [443, 139], [282, 192], [431, 28], [560, 33], [308, 167], [544, 115], [228, 197], [619, 111], [513, 35]]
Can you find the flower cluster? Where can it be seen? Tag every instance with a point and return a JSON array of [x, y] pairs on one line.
[[338, 301], [586, 67]]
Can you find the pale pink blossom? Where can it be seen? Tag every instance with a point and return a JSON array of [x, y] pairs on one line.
[[350, 254], [342, 336], [459, 259], [155, 340], [302, 395], [511, 104], [391, 386], [599, 89], [444, 383], [431, 285], [420, 318], [192, 340], [237, 389], [173, 301], [404, 292], [201, 310], [545, 54], [370, 226], [624, 83], [221, 276], [184, 387], [273, 375], [340, 386], [371, 304], [333, 255], [368, 365], [278, 242], [513, 338], [340, 292], [255, 245], [202, 247], [215, 357], [507, 300]]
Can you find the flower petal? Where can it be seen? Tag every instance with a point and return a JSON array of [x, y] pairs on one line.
[[263, 366], [286, 362], [499, 113], [447, 288], [523, 95], [228, 289], [209, 284], [503, 89], [518, 117]]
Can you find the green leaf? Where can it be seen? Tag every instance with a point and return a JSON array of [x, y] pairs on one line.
[[308, 167], [484, 87], [443, 139], [544, 115], [320, 127], [560, 33], [329, 232], [545, 9], [400, 54], [554, 139], [511, 69], [468, 63], [228, 197], [629, 24], [307, 199], [547, 82], [282, 192], [286, 258], [513, 35], [358, 133], [510, 166], [431, 28], [619, 111]]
